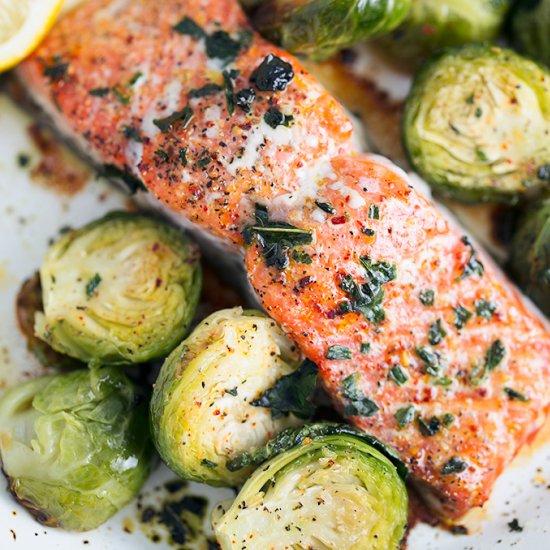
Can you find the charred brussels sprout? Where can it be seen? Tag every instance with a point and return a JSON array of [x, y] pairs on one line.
[[75, 447], [319, 28], [233, 384], [476, 124], [324, 486], [122, 289], [434, 24], [530, 22], [530, 258]]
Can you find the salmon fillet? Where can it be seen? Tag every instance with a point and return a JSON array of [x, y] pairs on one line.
[[418, 339]]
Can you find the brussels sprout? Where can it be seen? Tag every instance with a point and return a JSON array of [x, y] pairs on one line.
[[434, 24], [75, 447], [530, 257], [476, 124], [122, 289], [319, 28], [233, 384], [325, 486], [530, 21]]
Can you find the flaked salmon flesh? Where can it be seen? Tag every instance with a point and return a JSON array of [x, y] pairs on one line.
[[418, 339]]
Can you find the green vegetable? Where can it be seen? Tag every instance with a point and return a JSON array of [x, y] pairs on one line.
[[211, 399], [75, 447], [492, 157], [434, 24], [530, 257], [122, 289], [320, 28], [324, 486], [530, 24]]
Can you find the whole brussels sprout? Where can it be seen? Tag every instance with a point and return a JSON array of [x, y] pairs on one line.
[[234, 383], [530, 257], [122, 289], [476, 124], [434, 24], [75, 447], [324, 486], [320, 28], [530, 22]]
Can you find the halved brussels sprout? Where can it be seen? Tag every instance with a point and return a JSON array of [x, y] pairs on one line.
[[476, 123], [75, 447], [234, 383], [434, 24], [325, 486], [320, 28], [530, 21], [530, 258], [122, 289]]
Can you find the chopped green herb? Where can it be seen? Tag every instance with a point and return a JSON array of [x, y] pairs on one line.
[[326, 207], [122, 98], [245, 38], [23, 160], [232, 391], [436, 333], [338, 353], [272, 75], [515, 395], [182, 117], [462, 316], [453, 466], [432, 359], [273, 117], [404, 415], [367, 298], [454, 128], [495, 354], [365, 348], [208, 463], [368, 231], [228, 90], [470, 99], [244, 99], [92, 285], [448, 419], [473, 266], [374, 212], [131, 132], [161, 153], [478, 112], [292, 393], [219, 45], [275, 238], [398, 375], [189, 27], [204, 160], [481, 155], [429, 428], [57, 69], [515, 526], [443, 381], [99, 92], [301, 257], [183, 156], [206, 90], [135, 78], [427, 297], [359, 404], [485, 308]]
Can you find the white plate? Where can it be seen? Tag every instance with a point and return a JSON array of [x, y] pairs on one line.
[[31, 214]]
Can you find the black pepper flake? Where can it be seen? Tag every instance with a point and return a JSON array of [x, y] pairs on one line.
[[273, 117], [244, 99], [23, 160], [453, 466], [272, 75]]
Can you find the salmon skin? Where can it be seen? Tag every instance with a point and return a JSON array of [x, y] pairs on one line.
[[418, 339]]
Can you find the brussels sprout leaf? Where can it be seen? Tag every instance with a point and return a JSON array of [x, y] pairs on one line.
[[292, 393]]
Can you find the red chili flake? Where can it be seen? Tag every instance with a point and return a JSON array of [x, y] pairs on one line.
[[217, 412], [428, 29], [338, 220], [158, 282], [156, 246]]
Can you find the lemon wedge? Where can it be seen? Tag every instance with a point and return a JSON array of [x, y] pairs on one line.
[[23, 24]]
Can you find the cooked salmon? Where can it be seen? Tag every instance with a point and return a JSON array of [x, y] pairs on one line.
[[419, 340]]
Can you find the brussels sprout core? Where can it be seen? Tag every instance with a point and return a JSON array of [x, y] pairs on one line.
[[75, 448], [122, 289], [206, 406], [477, 122], [530, 258], [332, 491]]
